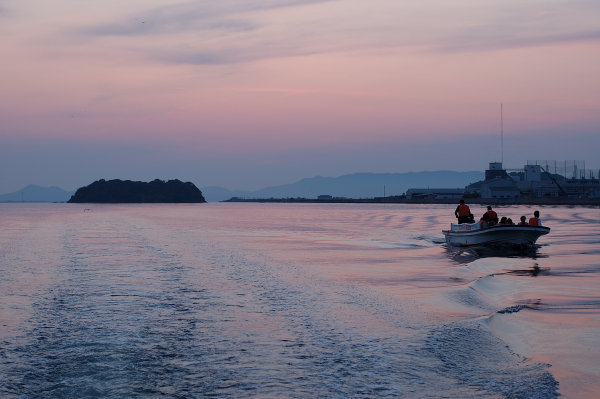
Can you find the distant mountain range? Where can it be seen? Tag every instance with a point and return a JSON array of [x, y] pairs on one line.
[[357, 185], [33, 193]]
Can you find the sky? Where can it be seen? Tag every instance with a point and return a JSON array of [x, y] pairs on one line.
[[253, 93]]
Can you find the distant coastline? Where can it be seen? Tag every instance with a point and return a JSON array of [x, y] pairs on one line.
[[530, 185]]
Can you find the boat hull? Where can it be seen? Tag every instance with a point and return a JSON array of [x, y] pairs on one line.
[[497, 235]]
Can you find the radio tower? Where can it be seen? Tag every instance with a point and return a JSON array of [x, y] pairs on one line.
[[501, 135]]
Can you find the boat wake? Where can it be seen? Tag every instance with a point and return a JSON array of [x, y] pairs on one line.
[[472, 354]]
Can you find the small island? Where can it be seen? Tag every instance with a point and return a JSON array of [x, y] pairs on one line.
[[126, 191]]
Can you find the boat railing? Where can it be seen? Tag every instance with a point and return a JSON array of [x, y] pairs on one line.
[[465, 226]]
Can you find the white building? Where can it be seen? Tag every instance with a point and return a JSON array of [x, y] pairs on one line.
[[499, 187]]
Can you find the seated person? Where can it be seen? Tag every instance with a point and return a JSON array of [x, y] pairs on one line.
[[484, 221], [510, 222], [471, 218], [535, 220], [493, 215], [489, 220], [523, 221], [503, 221]]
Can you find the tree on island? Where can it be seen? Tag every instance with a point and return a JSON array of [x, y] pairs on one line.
[[127, 191]]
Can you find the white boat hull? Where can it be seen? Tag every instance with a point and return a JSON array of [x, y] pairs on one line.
[[495, 235]]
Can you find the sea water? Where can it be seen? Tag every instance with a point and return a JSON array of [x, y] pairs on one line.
[[292, 300]]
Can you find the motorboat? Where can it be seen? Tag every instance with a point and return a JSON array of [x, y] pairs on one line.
[[467, 234]]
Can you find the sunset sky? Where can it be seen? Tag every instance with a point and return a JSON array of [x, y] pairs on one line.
[[251, 93]]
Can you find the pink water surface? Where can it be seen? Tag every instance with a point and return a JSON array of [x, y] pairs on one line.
[[293, 299]]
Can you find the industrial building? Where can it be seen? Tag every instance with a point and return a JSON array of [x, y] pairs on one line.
[[537, 179]]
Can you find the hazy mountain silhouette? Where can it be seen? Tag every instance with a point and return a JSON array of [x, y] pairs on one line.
[[357, 185], [33, 193]]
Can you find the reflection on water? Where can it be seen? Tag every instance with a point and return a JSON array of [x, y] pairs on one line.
[[464, 255], [291, 300], [533, 271]]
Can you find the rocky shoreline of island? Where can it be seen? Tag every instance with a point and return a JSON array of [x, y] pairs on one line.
[[118, 191]]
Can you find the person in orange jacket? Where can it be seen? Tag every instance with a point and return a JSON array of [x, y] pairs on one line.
[[463, 212], [492, 215], [535, 220]]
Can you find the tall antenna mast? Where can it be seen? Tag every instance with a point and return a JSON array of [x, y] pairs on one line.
[[501, 134]]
